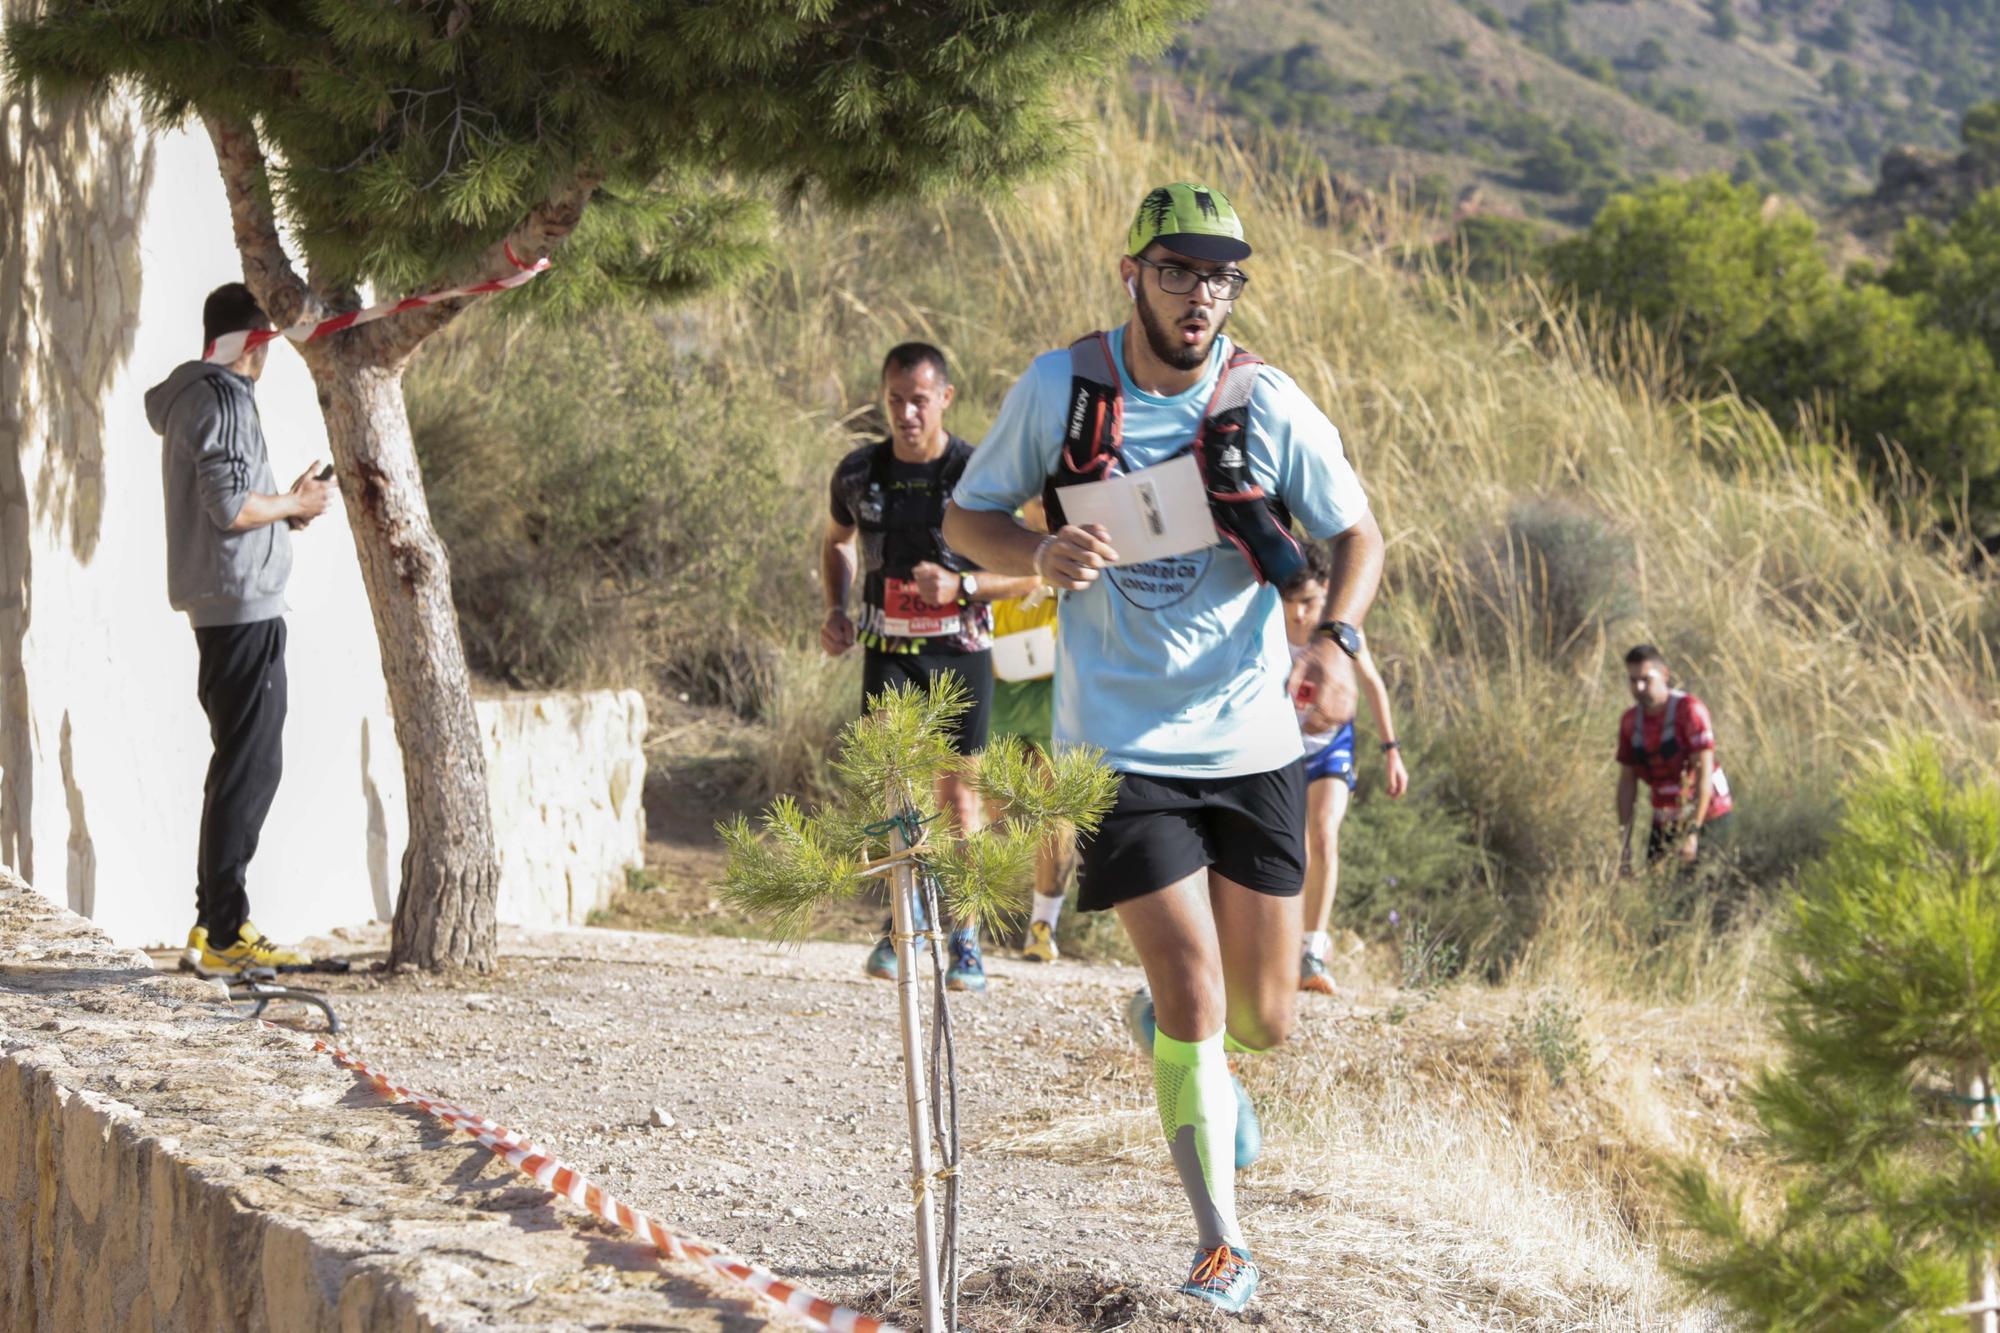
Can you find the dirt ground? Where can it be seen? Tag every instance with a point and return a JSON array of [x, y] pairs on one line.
[[778, 1070]]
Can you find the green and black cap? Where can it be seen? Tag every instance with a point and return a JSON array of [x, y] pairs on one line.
[[1192, 220]]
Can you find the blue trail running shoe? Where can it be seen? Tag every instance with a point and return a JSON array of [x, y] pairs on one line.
[[1224, 1277], [882, 960], [967, 970], [1313, 975], [1249, 1129], [1139, 1018]]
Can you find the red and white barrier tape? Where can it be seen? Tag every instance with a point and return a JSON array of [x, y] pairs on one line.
[[530, 1159], [233, 345]]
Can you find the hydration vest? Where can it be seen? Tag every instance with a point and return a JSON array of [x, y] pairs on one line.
[[1253, 522], [879, 512], [1669, 748]]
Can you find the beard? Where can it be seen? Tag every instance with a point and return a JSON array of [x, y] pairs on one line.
[[1165, 339]]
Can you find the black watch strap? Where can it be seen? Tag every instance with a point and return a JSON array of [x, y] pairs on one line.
[[1342, 633], [1391, 745]]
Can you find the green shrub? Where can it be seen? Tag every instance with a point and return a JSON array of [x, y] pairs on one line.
[[1746, 300], [1494, 249], [604, 499], [1954, 270], [1553, 1031], [1418, 857], [1888, 1004]]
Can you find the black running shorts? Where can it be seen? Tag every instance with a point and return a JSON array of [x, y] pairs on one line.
[[881, 670], [1251, 829]]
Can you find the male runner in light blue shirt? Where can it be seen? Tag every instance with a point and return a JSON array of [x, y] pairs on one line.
[[1179, 669]]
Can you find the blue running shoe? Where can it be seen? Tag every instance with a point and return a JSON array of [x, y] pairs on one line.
[[1224, 1277], [967, 970], [1139, 1018], [1249, 1129], [882, 960], [1313, 975]]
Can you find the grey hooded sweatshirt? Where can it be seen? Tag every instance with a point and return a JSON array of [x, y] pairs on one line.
[[212, 458]]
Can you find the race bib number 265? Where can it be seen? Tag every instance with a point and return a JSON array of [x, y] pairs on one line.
[[906, 615]]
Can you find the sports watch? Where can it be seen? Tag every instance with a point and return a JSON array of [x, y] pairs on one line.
[[1342, 633]]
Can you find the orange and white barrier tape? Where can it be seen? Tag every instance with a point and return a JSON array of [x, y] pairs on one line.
[[233, 345], [530, 1159]]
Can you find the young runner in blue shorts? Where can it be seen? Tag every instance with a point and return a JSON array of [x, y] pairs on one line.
[[1330, 775]]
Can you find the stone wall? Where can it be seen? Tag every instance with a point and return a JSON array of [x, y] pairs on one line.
[[110, 237], [566, 772], [163, 1167]]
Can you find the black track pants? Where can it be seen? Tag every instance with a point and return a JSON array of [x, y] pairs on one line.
[[241, 685]]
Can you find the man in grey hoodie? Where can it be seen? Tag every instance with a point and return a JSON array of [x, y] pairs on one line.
[[229, 555]]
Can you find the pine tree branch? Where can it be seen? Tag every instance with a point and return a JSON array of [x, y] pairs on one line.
[[545, 228], [267, 270]]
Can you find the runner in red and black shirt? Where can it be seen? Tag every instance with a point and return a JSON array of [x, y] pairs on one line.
[[1667, 741], [924, 611]]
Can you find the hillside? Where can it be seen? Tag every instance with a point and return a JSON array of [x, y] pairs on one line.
[[1518, 462], [1546, 106]]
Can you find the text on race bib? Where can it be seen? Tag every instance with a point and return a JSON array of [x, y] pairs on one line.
[[906, 615]]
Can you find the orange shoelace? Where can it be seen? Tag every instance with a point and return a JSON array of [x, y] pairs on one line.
[[1217, 1268]]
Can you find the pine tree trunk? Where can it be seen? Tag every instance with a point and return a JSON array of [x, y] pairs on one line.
[[451, 872], [1974, 1081]]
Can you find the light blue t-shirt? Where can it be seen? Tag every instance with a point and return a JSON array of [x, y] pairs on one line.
[[1177, 667]]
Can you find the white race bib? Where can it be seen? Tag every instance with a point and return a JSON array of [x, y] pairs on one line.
[[1027, 655]]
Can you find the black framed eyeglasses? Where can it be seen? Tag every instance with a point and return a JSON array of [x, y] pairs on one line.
[[1224, 284]]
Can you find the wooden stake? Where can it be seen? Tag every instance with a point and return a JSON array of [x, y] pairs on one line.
[[904, 900], [1975, 1092]]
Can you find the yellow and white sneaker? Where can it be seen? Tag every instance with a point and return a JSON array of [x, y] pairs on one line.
[[1040, 946], [251, 950], [197, 945]]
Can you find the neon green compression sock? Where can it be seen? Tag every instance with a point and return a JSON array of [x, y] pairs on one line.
[[1198, 1116], [1235, 1047]]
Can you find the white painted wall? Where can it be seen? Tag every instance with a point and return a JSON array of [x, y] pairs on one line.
[[103, 709], [107, 658]]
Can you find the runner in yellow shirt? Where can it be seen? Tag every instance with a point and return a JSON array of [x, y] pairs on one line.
[[1024, 664]]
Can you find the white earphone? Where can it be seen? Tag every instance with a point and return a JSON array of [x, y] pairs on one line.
[[1132, 288]]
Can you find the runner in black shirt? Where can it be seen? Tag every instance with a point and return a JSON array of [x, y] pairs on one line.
[[924, 610]]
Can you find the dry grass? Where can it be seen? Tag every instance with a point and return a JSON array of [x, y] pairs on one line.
[[1423, 1171], [1815, 624]]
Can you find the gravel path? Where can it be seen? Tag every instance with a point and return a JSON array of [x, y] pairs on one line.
[[779, 1072]]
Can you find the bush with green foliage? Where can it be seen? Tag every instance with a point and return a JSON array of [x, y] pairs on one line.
[[1746, 299], [1953, 272], [603, 500], [1888, 999], [1495, 249], [786, 866], [1420, 858]]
